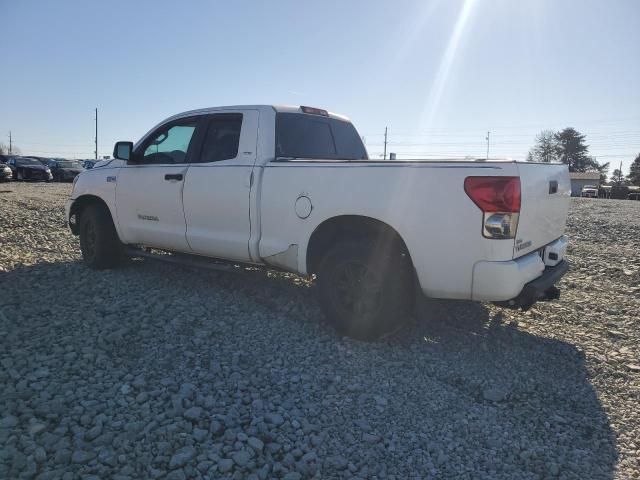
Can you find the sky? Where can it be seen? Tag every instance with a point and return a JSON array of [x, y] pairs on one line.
[[439, 74]]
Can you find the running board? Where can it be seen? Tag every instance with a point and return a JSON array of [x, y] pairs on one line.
[[187, 260]]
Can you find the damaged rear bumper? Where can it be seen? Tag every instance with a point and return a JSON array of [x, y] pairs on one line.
[[542, 288]]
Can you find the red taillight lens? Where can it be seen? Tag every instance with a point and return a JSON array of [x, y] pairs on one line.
[[494, 194]]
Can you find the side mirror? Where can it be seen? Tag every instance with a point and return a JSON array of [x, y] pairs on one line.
[[123, 151]]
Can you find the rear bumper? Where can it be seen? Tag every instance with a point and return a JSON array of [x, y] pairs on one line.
[[542, 288], [505, 281]]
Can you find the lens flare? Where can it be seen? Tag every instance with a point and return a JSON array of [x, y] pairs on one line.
[[449, 56]]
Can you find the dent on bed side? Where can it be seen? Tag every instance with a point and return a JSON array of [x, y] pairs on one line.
[[287, 259]]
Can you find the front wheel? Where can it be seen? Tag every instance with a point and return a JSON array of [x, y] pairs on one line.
[[99, 242], [366, 290]]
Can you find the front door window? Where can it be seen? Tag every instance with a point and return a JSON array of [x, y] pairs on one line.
[[170, 145]]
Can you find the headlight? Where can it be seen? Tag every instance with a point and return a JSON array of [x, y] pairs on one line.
[[75, 180], [48, 170]]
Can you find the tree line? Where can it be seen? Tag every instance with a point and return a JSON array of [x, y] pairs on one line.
[[4, 150], [569, 147]]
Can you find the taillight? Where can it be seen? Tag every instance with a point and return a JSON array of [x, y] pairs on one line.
[[499, 200]]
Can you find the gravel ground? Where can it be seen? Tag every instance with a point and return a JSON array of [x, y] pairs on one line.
[[157, 371]]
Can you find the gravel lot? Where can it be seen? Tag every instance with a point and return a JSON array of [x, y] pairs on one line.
[[157, 371]]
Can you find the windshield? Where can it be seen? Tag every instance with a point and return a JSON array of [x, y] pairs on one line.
[[68, 164], [27, 161]]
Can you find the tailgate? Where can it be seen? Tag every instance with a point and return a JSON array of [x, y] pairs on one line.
[[546, 192]]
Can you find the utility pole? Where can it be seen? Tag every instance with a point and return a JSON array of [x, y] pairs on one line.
[[96, 133], [10, 142], [487, 139], [385, 143]]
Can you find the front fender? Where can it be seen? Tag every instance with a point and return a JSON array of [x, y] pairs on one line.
[[94, 186]]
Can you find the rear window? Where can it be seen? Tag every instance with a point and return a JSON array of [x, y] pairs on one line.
[[312, 136]]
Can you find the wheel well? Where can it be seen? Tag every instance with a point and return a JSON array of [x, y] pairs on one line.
[[351, 227], [79, 205]]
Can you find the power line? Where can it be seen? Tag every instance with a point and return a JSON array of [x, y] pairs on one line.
[[59, 152], [54, 144], [472, 154], [613, 133], [594, 146]]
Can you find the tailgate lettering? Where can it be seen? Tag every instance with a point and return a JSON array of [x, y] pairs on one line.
[[522, 245]]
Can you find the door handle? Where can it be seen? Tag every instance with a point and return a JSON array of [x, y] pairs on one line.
[[173, 176]]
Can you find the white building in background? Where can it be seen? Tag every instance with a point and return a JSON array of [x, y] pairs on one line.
[[580, 179]]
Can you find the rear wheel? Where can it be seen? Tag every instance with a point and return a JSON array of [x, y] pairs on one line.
[[366, 291], [99, 241]]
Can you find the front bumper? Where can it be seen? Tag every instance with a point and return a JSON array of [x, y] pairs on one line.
[[37, 175]]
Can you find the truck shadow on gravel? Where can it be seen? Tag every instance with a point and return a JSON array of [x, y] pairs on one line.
[[457, 393]]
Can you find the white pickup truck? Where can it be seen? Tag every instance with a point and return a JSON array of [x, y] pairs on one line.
[[292, 188]]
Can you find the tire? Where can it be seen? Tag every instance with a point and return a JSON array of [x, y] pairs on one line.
[[99, 241], [366, 291]]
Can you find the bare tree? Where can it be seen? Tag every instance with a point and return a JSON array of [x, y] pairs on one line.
[[545, 148], [4, 150]]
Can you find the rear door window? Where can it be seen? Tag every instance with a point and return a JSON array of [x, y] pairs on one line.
[[222, 138], [311, 136]]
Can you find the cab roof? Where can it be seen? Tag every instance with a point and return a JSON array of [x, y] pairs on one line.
[[277, 108]]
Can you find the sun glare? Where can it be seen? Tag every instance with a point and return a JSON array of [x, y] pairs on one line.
[[437, 89]]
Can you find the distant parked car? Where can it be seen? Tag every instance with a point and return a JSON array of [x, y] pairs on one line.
[[88, 164], [42, 160], [25, 168], [634, 196], [64, 170], [5, 173], [589, 191]]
